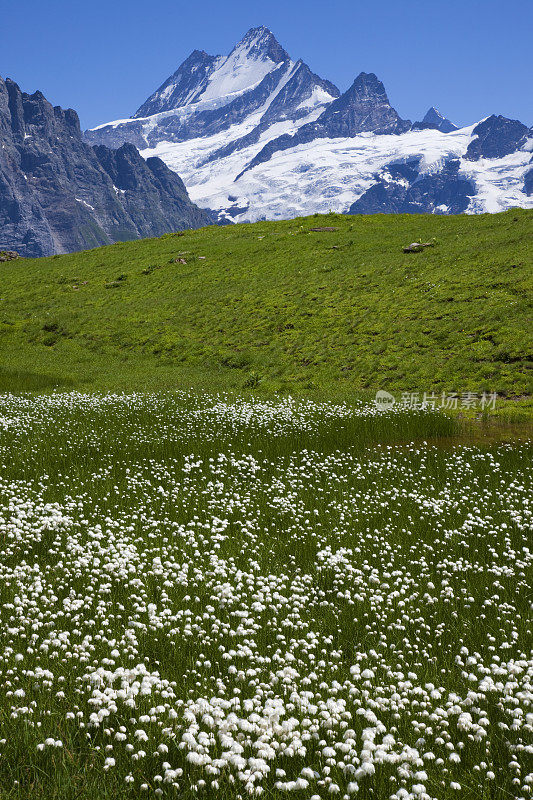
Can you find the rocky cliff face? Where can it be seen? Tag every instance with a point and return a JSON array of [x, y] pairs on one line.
[[183, 87], [401, 189], [497, 137], [59, 194]]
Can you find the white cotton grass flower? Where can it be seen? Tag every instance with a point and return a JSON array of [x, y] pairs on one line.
[[213, 611]]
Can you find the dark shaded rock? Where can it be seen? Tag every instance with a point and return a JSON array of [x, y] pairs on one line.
[[183, 86], [235, 211], [497, 137], [364, 107], [153, 196], [261, 43], [399, 189], [58, 194], [290, 102], [435, 121]]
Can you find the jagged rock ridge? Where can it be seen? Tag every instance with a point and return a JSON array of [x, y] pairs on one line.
[[182, 87], [363, 108], [59, 194], [256, 84]]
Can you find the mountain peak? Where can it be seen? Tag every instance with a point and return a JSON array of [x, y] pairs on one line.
[[369, 79], [261, 32], [367, 83], [260, 43], [435, 120], [363, 107], [202, 77], [366, 87], [434, 117]]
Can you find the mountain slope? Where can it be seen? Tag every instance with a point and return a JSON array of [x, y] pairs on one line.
[[181, 88], [363, 108], [497, 137], [256, 135], [276, 305], [58, 194], [399, 189]]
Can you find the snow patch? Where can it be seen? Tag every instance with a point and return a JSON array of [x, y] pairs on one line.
[[84, 203]]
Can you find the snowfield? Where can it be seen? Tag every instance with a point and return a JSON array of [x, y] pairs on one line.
[[332, 173]]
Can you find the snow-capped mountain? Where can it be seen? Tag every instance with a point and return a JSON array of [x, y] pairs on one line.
[[257, 135], [247, 92], [203, 78], [363, 108]]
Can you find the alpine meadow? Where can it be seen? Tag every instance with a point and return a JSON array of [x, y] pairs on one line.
[[288, 307], [266, 407]]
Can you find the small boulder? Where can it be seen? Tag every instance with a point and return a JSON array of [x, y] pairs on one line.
[[8, 255], [417, 247]]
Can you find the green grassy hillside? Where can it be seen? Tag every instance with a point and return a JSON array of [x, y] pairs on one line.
[[277, 307]]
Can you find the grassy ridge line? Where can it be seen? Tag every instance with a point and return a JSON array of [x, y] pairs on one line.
[[274, 306]]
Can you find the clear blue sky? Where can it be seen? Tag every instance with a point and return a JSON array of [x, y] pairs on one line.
[[469, 58]]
